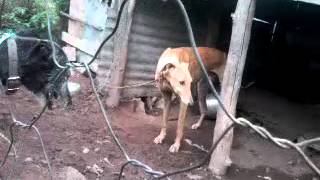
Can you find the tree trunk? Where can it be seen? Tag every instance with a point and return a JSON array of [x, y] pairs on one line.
[[242, 22]]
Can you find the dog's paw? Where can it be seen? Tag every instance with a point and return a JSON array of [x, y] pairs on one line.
[[159, 139], [195, 126], [174, 148]]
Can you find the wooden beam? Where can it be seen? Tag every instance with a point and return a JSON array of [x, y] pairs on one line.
[[242, 22], [80, 20], [85, 45], [120, 55]]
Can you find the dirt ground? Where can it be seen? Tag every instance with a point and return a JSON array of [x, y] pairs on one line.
[[77, 137]]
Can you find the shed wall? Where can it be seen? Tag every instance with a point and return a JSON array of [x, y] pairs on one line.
[[156, 26]]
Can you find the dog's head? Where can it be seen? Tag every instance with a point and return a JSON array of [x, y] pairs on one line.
[[40, 75], [180, 81]]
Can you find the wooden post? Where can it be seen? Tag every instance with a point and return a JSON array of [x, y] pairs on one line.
[[120, 55], [242, 22]]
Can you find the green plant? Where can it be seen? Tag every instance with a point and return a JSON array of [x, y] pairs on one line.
[[17, 18], [32, 14]]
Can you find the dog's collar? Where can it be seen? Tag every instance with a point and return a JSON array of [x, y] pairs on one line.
[[13, 82]]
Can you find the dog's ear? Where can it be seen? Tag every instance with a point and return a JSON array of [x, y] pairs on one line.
[[166, 69]]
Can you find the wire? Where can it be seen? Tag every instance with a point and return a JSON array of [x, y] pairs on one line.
[[213, 147], [146, 168], [26, 126], [10, 146], [36, 118], [51, 39], [9, 142], [22, 125], [199, 59], [131, 85], [133, 162], [283, 143], [111, 34], [68, 64], [100, 46], [104, 113]]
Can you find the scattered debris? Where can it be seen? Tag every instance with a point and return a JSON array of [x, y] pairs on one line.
[[85, 150], [265, 177], [103, 142], [108, 162], [194, 176], [44, 162], [95, 169], [187, 152], [96, 149], [70, 173], [118, 173], [72, 153], [28, 160], [34, 137], [188, 141]]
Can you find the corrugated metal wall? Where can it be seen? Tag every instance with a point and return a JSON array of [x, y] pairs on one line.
[[106, 56], [156, 26]]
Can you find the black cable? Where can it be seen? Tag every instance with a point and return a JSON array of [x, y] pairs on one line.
[[199, 59], [55, 79], [111, 34], [37, 117], [122, 169], [100, 46], [213, 147], [105, 114]]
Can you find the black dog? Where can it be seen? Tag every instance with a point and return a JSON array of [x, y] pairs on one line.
[[36, 68]]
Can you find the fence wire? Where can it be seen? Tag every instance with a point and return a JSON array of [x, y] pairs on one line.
[[21, 126], [283, 143]]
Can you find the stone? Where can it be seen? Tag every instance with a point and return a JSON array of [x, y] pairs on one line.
[[70, 173], [95, 169], [194, 176], [85, 150], [28, 160]]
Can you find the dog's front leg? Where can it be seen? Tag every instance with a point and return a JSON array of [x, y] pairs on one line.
[[166, 111], [202, 89], [182, 117]]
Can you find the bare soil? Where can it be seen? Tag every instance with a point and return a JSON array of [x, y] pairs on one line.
[[68, 131]]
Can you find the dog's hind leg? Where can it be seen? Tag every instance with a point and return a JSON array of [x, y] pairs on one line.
[[202, 89], [66, 95], [166, 110], [181, 121]]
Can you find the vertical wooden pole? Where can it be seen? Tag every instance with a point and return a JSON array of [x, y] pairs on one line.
[[242, 22], [120, 55]]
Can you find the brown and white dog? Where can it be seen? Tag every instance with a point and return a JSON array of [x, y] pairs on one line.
[[177, 71]]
